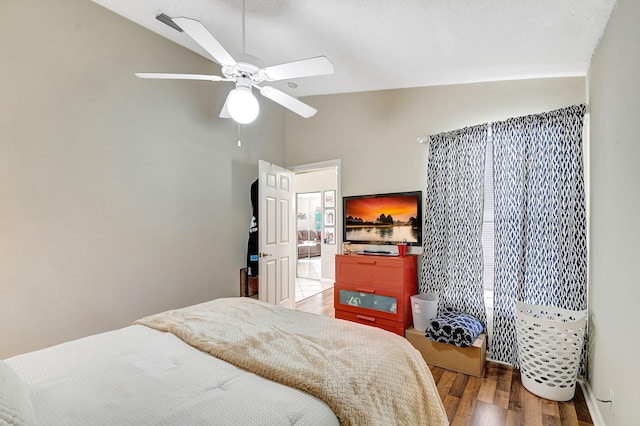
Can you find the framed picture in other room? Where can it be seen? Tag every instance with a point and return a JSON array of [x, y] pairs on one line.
[[329, 235], [329, 199], [330, 217]]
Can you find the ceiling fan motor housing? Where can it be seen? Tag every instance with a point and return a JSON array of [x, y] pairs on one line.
[[244, 82], [248, 67]]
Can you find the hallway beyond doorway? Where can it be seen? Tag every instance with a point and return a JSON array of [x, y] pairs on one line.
[[307, 287]]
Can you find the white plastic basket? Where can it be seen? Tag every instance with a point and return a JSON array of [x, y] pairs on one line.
[[550, 342], [424, 307]]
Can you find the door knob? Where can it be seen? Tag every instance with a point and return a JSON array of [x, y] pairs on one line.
[[261, 254]]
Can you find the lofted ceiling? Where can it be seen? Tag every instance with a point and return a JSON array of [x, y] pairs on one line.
[[386, 44]]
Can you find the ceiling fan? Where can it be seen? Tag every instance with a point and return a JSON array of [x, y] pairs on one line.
[[247, 72]]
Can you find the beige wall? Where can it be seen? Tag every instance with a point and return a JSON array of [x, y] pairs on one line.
[[374, 133], [614, 92], [119, 197]]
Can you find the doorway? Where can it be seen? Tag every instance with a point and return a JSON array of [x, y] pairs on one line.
[[314, 184], [309, 232]]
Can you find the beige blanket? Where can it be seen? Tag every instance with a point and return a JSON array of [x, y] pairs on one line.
[[366, 375]]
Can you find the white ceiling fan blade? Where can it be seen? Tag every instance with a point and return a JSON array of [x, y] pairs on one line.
[[204, 38], [287, 101], [305, 68], [224, 112], [180, 76]]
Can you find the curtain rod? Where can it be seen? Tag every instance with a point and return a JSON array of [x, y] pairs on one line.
[[427, 139]]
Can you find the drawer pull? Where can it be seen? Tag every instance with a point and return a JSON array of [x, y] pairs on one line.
[[362, 262], [366, 318], [366, 290]]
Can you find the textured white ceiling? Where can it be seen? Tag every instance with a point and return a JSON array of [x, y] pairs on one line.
[[387, 44]]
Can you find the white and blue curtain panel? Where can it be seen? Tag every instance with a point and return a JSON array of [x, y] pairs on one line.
[[452, 260], [540, 219]]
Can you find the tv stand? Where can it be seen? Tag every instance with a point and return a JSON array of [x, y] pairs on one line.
[[376, 290]]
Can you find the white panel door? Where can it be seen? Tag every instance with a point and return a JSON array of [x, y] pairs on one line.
[[276, 244]]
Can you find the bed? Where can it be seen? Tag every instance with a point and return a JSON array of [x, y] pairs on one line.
[[231, 361]]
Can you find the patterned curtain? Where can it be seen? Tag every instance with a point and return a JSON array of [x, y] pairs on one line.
[[452, 259], [540, 220]]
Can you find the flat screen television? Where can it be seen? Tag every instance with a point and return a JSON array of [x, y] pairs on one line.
[[383, 218]]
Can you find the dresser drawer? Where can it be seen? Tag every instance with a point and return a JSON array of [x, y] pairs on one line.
[[372, 271], [375, 290], [369, 301], [396, 327]]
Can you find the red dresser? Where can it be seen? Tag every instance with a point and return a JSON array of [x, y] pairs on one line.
[[376, 290]]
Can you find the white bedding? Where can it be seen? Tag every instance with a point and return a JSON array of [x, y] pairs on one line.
[[140, 376], [366, 375]]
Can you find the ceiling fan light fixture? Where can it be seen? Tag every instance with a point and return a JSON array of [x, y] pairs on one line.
[[243, 107]]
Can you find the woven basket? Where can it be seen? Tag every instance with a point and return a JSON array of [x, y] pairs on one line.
[[550, 342]]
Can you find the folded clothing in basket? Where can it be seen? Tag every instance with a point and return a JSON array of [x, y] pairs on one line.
[[456, 328]]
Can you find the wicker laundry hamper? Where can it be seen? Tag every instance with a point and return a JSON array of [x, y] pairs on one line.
[[550, 342]]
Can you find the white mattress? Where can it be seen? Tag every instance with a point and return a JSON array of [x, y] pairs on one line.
[[140, 376]]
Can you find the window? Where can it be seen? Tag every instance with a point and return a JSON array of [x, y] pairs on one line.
[[488, 232]]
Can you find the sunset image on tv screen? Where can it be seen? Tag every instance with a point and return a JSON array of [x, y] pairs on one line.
[[384, 219]]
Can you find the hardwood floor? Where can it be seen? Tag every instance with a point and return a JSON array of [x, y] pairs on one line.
[[498, 398], [321, 303]]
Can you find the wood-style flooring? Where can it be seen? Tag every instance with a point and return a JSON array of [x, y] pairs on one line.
[[498, 398]]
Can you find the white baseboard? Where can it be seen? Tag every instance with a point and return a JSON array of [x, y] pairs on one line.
[[592, 404]]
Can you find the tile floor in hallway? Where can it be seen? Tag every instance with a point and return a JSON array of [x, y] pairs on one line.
[[307, 288], [308, 281]]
